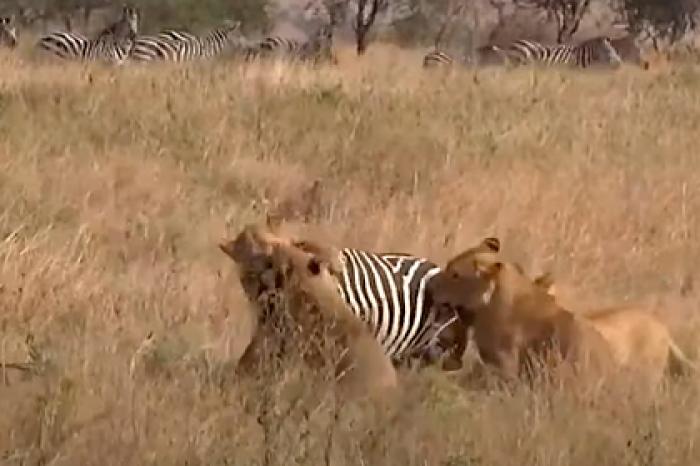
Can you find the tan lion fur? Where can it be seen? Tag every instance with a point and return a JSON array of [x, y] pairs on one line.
[[640, 342], [308, 272], [514, 319], [512, 314]]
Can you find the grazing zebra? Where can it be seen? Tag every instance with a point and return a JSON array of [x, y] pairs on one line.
[[484, 55], [596, 51], [318, 47], [112, 44], [8, 32], [436, 58], [178, 46]]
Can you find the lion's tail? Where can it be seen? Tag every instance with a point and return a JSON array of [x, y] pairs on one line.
[[679, 363]]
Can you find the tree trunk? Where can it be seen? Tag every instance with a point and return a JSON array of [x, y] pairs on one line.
[[361, 46], [364, 22]]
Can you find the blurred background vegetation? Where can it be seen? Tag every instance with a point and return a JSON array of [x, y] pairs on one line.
[[455, 25]]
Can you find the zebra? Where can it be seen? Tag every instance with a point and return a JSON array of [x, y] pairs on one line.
[[8, 32], [112, 44], [437, 57], [387, 291], [126, 27], [318, 47], [483, 56], [596, 51], [178, 46]]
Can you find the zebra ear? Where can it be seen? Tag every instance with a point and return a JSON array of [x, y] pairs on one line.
[[232, 25]]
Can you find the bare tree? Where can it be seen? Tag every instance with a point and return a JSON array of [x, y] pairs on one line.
[[454, 9], [364, 20], [501, 16], [568, 14], [659, 19]]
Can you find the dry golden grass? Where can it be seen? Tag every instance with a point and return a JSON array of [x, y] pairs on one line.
[[116, 184]]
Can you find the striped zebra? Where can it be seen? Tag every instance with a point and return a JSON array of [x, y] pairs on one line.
[[593, 52], [8, 32], [482, 56], [179, 46], [437, 57], [319, 47], [113, 44], [388, 293]]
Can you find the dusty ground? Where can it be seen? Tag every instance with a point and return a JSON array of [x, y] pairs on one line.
[[115, 186]]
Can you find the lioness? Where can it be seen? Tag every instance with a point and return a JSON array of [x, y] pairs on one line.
[[511, 313], [640, 342], [383, 291], [514, 319], [273, 268]]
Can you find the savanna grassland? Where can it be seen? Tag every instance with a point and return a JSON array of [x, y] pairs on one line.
[[117, 184]]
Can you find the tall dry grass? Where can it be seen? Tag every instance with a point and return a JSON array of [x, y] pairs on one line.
[[116, 184]]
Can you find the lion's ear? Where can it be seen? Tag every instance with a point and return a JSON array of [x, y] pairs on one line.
[[491, 244], [227, 247], [545, 282]]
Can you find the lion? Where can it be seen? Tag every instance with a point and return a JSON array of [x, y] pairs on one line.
[[322, 269], [514, 316], [273, 268], [640, 342], [515, 322]]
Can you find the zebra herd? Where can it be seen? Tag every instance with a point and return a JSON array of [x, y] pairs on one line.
[[113, 44], [120, 42], [598, 51], [179, 46]]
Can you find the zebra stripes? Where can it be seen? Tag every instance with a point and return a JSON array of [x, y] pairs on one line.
[[483, 56], [318, 47], [436, 58], [73, 46], [178, 46], [8, 32], [113, 44], [388, 293], [596, 51], [153, 48]]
